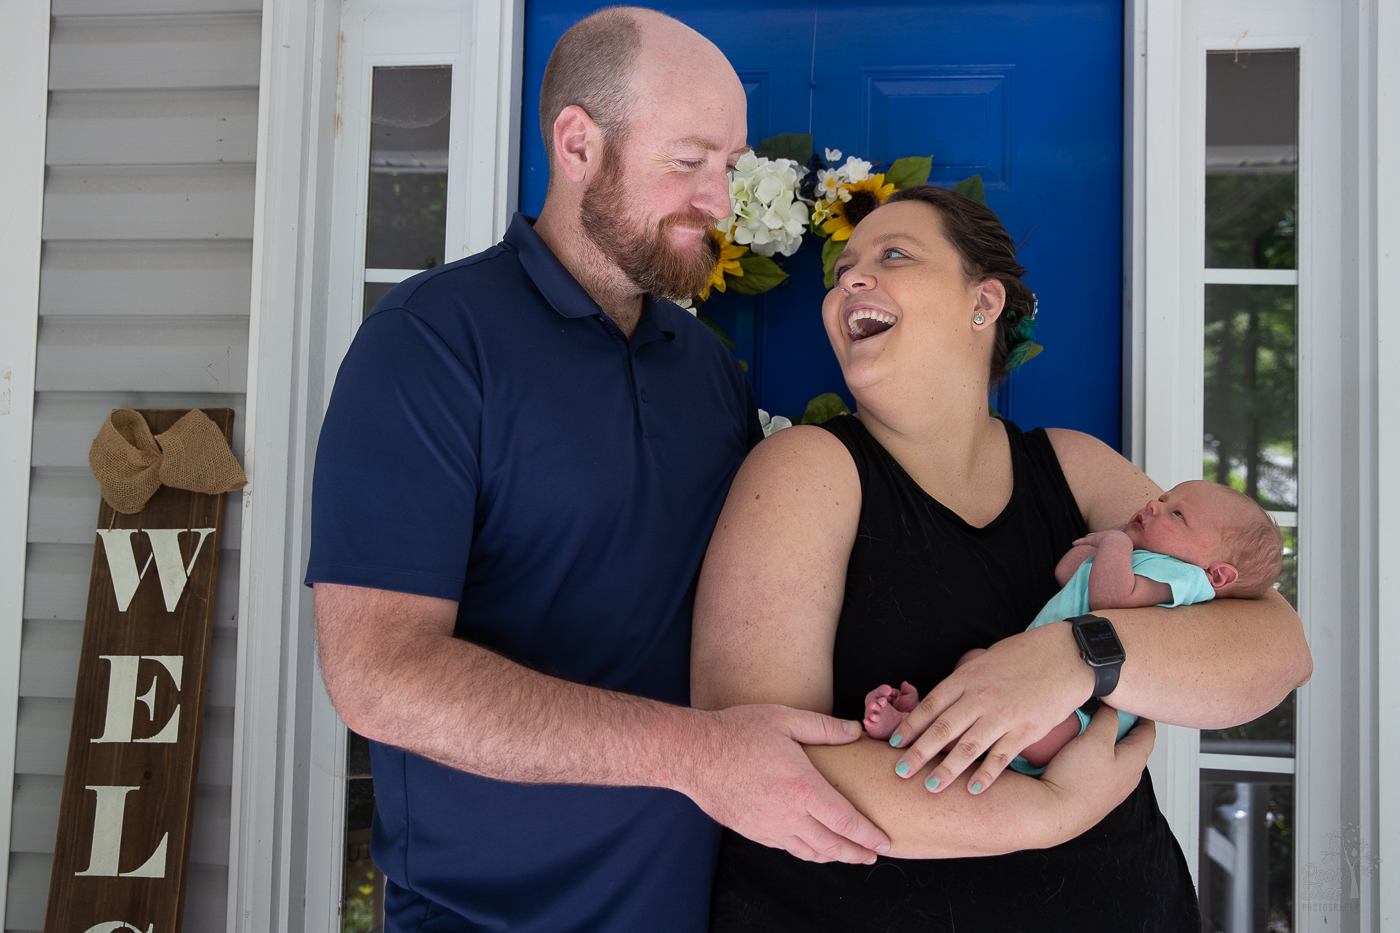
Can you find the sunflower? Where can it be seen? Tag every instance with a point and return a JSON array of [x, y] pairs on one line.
[[728, 263], [857, 200]]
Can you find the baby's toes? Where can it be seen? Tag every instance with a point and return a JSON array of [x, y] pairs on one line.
[[878, 730]]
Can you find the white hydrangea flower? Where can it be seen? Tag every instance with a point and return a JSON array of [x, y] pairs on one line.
[[856, 169], [688, 304], [767, 215], [833, 156], [772, 423]]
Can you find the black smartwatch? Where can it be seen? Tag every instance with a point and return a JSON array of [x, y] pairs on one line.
[[1101, 650]]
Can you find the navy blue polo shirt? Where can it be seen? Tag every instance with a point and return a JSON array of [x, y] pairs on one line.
[[493, 438]]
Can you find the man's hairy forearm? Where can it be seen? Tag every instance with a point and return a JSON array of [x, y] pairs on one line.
[[396, 675], [471, 709]]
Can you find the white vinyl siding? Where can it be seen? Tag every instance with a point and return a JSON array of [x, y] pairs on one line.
[[143, 303]]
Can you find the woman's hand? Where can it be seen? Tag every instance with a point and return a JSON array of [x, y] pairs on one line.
[[1091, 760], [998, 702]]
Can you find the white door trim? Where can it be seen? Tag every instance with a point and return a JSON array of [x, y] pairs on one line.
[[289, 753], [1384, 219], [24, 74]]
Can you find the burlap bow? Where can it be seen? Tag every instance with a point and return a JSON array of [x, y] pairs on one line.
[[131, 464]]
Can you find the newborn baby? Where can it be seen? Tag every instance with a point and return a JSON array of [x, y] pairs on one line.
[[1196, 541]]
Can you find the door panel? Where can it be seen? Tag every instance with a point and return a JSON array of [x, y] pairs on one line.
[[1026, 94]]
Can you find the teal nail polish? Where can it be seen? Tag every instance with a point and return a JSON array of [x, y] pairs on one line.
[[931, 783], [977, 788], [896, 739], [902, 768]]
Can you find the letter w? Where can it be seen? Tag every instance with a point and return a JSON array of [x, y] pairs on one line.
[[165, 552]]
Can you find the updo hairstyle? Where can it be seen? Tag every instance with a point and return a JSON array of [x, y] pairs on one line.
[[987, 253]]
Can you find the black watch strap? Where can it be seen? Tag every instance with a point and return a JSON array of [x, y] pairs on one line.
[[1101, 650], [1105, 679]]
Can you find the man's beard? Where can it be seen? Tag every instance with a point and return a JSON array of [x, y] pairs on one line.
[[646, 258]]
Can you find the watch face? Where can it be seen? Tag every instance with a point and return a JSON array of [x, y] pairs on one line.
[[1099, 641]]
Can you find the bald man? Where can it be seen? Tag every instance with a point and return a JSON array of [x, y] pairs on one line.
[[523, 459]]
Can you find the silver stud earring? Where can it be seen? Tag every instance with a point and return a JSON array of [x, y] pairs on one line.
[[978, 318]]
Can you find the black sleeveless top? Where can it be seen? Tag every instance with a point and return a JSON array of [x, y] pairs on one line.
[[922, 587]]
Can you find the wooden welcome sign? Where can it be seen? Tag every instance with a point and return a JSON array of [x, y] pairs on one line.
[[133, 753]]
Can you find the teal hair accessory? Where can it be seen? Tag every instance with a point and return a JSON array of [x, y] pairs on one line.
[[1022, 347]]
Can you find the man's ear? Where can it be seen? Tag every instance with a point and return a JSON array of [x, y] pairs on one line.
[[990, 300], [577, 143], [1221, 574]]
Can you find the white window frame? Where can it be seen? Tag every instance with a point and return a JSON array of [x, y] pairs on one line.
[[286, 857], [1342, 530], [1380, 185], [24, 107]]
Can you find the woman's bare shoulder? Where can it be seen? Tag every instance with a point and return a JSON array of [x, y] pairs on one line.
[[804, 452], [1108, 488]]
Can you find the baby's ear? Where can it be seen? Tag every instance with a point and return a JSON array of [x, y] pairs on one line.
[[1221, 574]]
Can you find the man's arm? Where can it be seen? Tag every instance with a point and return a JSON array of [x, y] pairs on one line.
[[1112, 583], [1207, 666], [397, 675]]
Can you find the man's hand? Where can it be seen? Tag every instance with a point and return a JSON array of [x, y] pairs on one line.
[[749, 772], [998, 702]]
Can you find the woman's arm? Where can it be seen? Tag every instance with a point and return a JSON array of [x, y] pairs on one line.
[[1018, 812], [766, 610], [1207, 666]]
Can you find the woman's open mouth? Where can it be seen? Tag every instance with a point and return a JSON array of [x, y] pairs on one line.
[[865, 321]]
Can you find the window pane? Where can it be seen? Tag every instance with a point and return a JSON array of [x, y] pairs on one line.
[[1246, 863], [373, 292], [362, 902], [1251, 159], [1251, 422], [1251, 444], [408, 168], [1270, 734], [1251, 220]]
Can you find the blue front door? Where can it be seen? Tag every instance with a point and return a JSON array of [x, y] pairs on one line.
[[1027, 94]]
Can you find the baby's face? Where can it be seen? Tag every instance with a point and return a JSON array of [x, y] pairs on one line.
[[1186, 522]]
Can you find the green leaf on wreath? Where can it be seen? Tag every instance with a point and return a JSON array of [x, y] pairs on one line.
[[713, 325], [972, 188], [909, 171], [831, 249], [760, 275], [794, 146], [823, 408]]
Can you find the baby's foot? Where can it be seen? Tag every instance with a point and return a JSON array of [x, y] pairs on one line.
[[886, 708]]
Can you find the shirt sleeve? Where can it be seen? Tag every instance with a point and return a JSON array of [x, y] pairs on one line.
[[1189, 583], [397, 465]]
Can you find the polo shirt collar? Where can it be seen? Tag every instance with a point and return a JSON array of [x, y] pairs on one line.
[[559, 287]]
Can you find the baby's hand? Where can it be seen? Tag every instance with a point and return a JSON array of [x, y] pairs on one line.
[[886, 707], [1096, 538]]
